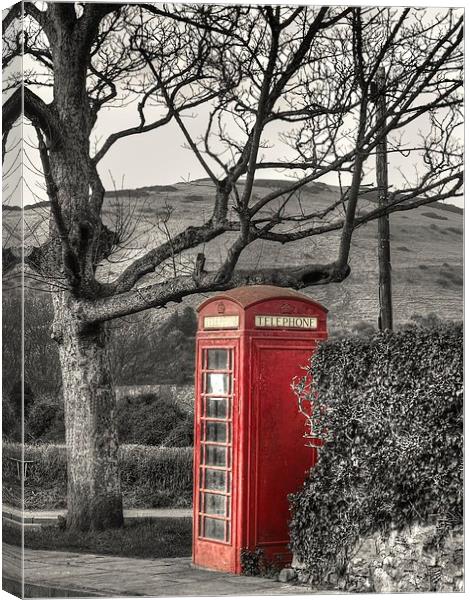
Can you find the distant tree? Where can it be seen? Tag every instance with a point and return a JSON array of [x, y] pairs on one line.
[[188, 322], [40, 358], [306, 70], [143, 351]]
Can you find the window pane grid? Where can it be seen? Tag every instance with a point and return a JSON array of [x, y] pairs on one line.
[[219, 444], [217, 492], [215, 468], [216, 517], [216, 444]]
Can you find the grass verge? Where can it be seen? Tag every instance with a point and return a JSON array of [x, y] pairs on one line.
[[165, 538]]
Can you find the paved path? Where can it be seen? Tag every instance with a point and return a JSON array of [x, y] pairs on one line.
[[35, 518], [70, 574]]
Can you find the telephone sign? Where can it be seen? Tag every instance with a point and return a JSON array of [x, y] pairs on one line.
[[291, 322]]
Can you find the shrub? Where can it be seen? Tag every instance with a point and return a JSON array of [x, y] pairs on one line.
[[148, 419], [45, 422], [153, 420], [363, 328], [21, 398], [389, 411], [11, 422], [428, 321], [431, 215]]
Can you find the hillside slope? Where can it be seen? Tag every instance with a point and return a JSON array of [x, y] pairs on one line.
[[427, 248]]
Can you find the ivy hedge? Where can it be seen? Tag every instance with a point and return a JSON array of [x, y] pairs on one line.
[[388, 411]]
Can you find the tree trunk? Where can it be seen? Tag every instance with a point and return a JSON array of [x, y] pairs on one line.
[[94, 499]]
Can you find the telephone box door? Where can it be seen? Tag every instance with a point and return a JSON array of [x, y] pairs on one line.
[[280, 456]]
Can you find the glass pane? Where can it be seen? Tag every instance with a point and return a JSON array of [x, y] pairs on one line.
[[217, 407], [227, 539], [214, 504], [217, 358], [217, 383], [216, 431], [214, 528], [216, 456], [216, 480]]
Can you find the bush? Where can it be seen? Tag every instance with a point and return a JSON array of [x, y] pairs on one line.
[[11, 422], [148, 419], [389, 411], [45, 422], [364, 329], [153, 420], [151, 477]]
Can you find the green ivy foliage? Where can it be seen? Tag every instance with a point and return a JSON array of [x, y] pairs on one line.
[[389, 412]]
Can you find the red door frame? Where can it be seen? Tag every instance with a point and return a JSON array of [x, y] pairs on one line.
[[205, 549]]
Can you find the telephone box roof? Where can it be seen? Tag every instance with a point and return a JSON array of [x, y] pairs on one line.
[[248, 295]]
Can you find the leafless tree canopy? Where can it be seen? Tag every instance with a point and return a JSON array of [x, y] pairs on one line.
[[308, 71]]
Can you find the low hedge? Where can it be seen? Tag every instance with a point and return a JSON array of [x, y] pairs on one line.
[[389, 412], [151, 477]]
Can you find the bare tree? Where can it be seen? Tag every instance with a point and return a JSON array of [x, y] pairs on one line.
[[308, 72]]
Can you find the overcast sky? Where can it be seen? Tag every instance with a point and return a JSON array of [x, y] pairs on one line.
[[159, 157]]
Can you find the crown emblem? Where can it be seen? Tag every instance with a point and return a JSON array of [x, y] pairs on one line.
[[287, 308]]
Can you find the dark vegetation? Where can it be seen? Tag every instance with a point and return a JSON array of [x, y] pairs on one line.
[[154, 420], [450, 276], [389, 410], [151, 477], [432, 215], [192, 198], [447, 207], [165, 538], [147, 189], [142, 352]]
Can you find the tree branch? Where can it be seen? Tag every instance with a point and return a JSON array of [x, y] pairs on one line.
[[189, 238], [36, 110], [174, 290]]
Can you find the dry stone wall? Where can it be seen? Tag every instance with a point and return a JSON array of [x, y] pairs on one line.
[[409, 560]]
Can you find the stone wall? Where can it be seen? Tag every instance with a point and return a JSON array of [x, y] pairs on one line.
[[409, 560]]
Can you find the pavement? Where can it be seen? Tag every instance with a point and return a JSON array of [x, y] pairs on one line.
[[71, 574]]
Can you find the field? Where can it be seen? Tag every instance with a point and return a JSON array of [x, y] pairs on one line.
[[427, 244]]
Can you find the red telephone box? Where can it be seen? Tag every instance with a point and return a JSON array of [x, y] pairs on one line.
[[249, 451]]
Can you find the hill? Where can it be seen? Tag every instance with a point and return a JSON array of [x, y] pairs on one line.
[[427, 245]]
